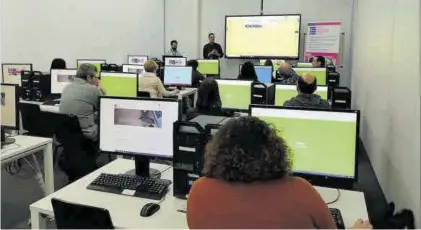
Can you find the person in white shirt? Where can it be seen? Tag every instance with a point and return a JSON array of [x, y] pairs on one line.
[[173, 50]]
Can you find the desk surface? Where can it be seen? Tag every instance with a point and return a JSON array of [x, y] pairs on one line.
[[125, 210], [22, 145]]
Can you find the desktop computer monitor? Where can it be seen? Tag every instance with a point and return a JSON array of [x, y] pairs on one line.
[[209, 67], [284, 93], [12, 72], [178, 75], [174, 61], [9, 109], [96, 62], [137, 59], [276, 63], [120, 84], [60, 78], [138, 127], [235, 94], [323, 143], [319, 73], [264, 74], [139, 69]]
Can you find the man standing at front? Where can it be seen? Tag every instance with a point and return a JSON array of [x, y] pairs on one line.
[[212, 50]]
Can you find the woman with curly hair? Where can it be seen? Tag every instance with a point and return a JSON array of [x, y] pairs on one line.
[[247, 184]]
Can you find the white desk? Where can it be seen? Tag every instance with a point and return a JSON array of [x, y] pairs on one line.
[[125, 210], [187, 92], [42, 107], [27, 145]]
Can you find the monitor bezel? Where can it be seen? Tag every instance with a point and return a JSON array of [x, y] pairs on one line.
[[134, 55], [51, 82], [264, 57], [150, 156], [319, 180], [219, 66], [137, 78], [17, 112], [89, 59], [171, 56], [2, 69], [191, 77]]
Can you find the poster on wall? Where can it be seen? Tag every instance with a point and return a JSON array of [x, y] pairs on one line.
[[323, 39]]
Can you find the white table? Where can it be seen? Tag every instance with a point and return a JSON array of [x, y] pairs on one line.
[[27, 145], [125, 210], [42, 107]]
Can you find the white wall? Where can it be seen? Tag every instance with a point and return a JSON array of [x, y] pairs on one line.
[[38, 31], [386, 88]]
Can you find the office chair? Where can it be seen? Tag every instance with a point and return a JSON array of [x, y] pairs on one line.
[[143, 94], [341, 98], [258, 93], [33, 122], [77, 216]]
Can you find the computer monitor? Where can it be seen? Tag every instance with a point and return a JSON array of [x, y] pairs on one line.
[[96, 62], [174, 61], [284, 93], [264, 73], [139, 69], [9, 108], [319, 73], [12, 72], [60, 78], [137, 59], [235, 94], [138, 127], [178, 75], [276, 63], [120, 84], [323, 142], [209, 67]]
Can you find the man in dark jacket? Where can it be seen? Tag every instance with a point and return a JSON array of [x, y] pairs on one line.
[[306, 86], [285, 75]]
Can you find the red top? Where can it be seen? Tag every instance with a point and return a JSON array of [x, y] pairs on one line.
[[288, 203]]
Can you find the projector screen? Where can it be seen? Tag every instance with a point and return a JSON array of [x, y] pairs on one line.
[[271, 36]]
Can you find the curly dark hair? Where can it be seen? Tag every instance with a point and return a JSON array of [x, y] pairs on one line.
[[247, 149]]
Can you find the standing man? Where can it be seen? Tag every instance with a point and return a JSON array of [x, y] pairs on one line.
[[173, 50], [212, 50]]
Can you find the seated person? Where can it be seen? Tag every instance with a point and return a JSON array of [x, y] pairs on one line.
[[149, 82], [306, 86], [247, 184], [58, 63], [247, 72], [81, 98], [319, 62], [268, 62], [285, 75], [208, 99], [197, 76]]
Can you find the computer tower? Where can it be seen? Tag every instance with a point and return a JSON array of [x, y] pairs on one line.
[[41, 86], [26, 84]]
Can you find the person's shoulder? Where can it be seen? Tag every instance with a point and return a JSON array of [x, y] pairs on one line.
[[290, 102]]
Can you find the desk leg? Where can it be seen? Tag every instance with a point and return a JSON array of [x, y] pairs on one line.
[[38, 221], [195, 99], [48, 169]]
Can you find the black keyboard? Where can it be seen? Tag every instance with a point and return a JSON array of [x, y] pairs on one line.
[[138, 186], [337, 217]]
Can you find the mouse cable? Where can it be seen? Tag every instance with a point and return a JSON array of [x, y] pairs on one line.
[[161, 200], [336, 199]]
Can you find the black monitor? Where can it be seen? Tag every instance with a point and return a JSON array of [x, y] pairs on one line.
[[138, 127], [9, 109]]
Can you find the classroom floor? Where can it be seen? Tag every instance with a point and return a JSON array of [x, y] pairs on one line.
[[17, 193]]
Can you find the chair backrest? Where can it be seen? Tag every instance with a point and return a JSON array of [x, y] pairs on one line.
[[341, 98], [258, 93], [77, 216], [34, 122], [143, 94]]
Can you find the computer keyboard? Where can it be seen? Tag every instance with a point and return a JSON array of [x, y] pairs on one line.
[[131, 185], [337, 217]]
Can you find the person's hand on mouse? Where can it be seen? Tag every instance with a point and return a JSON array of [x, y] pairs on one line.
[[176, 91], [360, 224]]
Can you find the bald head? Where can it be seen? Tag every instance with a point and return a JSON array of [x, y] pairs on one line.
[[307, 84], [308, 78]]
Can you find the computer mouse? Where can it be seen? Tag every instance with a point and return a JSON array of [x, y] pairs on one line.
[[149, 209]]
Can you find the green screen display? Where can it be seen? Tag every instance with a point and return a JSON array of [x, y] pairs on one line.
[[235, 94], [118, 86], [208, 67], [319, 73], [304, 65], [97, 64], [319, 147], [285, 93]]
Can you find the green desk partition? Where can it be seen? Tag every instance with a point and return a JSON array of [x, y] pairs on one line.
[[319, 73], [119, 84], [304, 65], [285, 92], [208, 67], [235, 94], [96, 63]]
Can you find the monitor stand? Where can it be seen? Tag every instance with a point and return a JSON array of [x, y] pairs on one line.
[[142, 168]]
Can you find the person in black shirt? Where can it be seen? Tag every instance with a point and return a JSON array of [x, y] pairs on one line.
[[212, 50], [196, 75], [248, 72]]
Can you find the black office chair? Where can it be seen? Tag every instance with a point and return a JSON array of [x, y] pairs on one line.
[[143, 94], [77, 216], [33, 121], [258, 93], [341, 98]]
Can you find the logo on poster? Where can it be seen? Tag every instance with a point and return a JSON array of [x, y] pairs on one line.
[[14, 71]]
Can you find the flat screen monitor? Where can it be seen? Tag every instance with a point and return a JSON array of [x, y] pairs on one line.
[[319, 73], [60, 78], [139, 69], [9, 109], [96, 62], [276, 63], [12, 72], [178, 75], [284, 93], [267, 36], [209, 67], [323, 142], [137, 126], [264, 74], [235, 94], [120, 84], [137, 59], [174, 61]]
